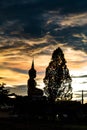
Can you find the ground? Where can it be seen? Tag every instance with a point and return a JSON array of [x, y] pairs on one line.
[[25, 124]]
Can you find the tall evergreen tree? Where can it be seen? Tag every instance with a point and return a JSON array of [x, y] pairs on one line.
[[57, 78]]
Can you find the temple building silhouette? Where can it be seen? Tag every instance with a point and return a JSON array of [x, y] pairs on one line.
[[32, 89]]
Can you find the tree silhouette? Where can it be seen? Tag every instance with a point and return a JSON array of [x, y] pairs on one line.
[[57, 78], [3, 91]]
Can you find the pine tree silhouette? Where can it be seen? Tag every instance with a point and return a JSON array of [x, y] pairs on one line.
[[57, 78]]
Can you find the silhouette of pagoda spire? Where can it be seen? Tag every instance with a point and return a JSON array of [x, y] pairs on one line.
[[32, 64], [32, 90], [32, 71]]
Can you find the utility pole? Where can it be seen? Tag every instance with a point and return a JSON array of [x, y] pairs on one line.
[[82, 97]]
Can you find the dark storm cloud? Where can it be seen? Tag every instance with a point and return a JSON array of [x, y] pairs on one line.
[[29, 13], [64, 5], [25, 18], [66, 35]]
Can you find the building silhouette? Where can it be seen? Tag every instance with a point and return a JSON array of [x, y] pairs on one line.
[[32, 89]]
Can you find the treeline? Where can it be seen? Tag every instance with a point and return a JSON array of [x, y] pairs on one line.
[[44, 109]]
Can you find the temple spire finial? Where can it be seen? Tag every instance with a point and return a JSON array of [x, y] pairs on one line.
[[32, 63]]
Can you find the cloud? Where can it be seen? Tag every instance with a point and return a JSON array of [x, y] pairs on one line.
[[79, 94], [18, 70], [82, 76], [12, 47], [18, 89], [2, 77]]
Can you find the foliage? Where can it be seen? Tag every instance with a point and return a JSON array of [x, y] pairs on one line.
[[3, 91], [57, 78]]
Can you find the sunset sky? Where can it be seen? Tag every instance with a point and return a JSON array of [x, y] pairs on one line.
[[35, 28]]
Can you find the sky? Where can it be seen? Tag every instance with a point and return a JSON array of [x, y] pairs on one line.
[[35, 28]]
